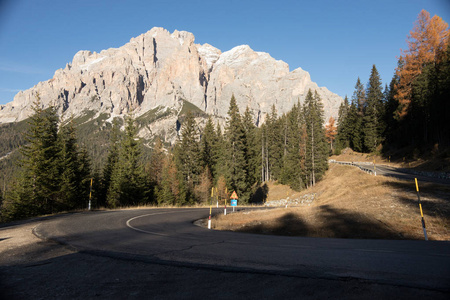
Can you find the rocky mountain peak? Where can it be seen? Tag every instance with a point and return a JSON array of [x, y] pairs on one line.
[[163, 69]]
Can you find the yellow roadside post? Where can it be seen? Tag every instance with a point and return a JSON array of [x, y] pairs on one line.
[[217, 198], [90, 194], [210, 208], [421, 212], [225, 210]]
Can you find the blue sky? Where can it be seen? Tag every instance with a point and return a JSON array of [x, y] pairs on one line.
[[334, 40]]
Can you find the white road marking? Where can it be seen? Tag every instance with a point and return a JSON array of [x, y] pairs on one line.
[[153, 214]]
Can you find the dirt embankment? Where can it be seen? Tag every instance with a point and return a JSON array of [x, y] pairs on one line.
[[351, 204]]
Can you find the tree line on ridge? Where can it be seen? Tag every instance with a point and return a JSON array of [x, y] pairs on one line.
[[56, 171]]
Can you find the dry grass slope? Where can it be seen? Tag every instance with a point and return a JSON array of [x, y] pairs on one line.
[[352, 204]]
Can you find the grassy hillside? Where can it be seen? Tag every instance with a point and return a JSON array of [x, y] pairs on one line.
[[93, 133], [351, 204]]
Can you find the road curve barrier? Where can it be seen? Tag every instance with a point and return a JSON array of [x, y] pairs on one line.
[[360, 165]]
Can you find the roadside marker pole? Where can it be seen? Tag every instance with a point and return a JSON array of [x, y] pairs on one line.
[[90, 195], [374, 168], [225, 210], [421, 212], [210, 208], [217, 198], [226, 196]]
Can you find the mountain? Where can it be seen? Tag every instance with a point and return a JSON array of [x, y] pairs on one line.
[[158, 73]]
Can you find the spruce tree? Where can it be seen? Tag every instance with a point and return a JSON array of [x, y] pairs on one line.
[[316, 148], [371, 138], [221, 152], [390, 113], [70, 184], [275, 144], [252, 148], [373, 114], [111, 160], [359, 97], [155, 164], [128, 181], [265, 174], [169, 189], [235, 151], [293, 172], [188, 156], [36, 190], [355, 117], [84, 176], [343, 131], [208, 147], [440, 107]]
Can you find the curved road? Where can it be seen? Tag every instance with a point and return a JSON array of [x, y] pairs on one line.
[[169, 237], [399, 173]]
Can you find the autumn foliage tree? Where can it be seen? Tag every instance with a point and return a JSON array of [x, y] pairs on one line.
[[330, 132], [427, 44], [421, 86]]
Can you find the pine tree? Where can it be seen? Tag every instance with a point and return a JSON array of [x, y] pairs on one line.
[[355, 117], [169, 191], [373, 117], [208, 147], [441, 106], [188, 156], [370, 135], [275, 144], [252, 148], [354, 123], [70, 184], [36, 191], [155, 164], [111, 161], [221, 155], [128, 182], [84, 176], [265, 174], [236, 165], [343, 131], [359, 97], [293, 172], [316, 149], [390, 133]]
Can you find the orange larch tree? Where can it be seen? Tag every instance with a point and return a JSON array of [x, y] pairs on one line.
[[330, 132], [427, 44]]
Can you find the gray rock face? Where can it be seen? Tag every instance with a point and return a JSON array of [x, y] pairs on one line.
[[163, 69]]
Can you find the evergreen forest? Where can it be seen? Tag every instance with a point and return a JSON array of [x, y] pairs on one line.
[[55, 172], [408, 117]]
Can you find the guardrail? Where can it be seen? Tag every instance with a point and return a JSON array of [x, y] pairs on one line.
[[359, 165]]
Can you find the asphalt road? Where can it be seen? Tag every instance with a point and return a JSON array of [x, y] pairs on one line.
[[167, 239], [399, 173]]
